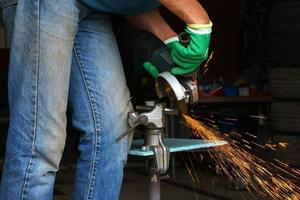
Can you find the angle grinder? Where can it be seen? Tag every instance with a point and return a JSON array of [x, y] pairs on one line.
[[183, 90]]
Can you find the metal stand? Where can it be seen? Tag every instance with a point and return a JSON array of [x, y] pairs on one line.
[[154, 187], [153, 118], [181, 92]]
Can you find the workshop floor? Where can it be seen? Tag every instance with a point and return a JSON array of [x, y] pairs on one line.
[[135, 187]]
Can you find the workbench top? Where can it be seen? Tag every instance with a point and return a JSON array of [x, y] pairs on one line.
[[175, 145]]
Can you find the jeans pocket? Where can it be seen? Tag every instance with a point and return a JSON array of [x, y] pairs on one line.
[[7, 3]]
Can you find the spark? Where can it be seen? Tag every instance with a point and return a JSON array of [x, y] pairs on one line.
[[271, 146], [227, 123], [231, 119], [206, 67], [234, 134], [245, 141], [251, 135], [235, 160], [258, 145], [283, 145], [258, 116]]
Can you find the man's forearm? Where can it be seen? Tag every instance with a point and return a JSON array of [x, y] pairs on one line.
[[153, 22], [190, 11]]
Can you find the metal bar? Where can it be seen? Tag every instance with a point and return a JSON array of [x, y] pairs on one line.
[[126, 133], [172, 134], [154, 187]]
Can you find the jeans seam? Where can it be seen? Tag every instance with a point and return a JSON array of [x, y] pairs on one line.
[[34, 103], [97, 129]]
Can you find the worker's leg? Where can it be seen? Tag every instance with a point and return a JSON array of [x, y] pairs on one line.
[[100, 102], [40, 63]]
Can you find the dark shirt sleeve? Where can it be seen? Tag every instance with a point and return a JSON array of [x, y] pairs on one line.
[[123, 7]]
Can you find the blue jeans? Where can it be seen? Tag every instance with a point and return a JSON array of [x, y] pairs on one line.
[[62, 52]]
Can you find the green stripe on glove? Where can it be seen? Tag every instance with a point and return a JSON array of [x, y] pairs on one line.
[[151, 69]]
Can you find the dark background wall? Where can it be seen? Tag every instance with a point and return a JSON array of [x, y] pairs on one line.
[[226, 17]]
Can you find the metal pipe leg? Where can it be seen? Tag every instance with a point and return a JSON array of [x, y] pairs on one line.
[[154, 187]]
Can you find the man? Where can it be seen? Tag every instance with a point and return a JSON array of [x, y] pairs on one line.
[[65, 51]]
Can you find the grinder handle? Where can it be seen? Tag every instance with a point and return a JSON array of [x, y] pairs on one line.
[[151, 48]]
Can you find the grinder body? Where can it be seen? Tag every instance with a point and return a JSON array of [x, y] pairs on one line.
[[182, 90], [152, 49]]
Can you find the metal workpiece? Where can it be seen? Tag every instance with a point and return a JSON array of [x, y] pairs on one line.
[[171, 111], [167, 111]]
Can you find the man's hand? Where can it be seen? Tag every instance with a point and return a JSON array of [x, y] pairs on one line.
[[152, 22], [188, 59]]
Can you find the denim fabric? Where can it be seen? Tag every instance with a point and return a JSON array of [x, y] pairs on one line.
[[62, 54]]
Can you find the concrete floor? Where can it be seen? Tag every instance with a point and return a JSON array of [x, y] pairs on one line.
[[135, 186]]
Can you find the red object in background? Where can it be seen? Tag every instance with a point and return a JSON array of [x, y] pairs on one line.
[[260, 92], [212, 93], [4, 59], [201, 93], [253, 91]]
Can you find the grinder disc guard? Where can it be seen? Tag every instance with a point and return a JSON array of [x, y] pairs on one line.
[[168, 86], [179, 89]]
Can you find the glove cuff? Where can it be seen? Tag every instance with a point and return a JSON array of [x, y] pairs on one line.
[[170, 40], [200, 28], [201, 31]]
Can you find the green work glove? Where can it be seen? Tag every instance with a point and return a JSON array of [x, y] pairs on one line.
[[188, 59]]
